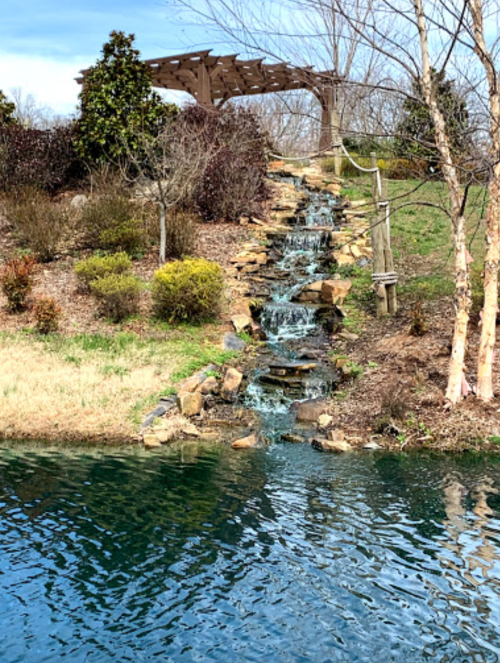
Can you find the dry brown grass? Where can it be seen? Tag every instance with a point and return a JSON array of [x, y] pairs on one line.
[[43, 395]]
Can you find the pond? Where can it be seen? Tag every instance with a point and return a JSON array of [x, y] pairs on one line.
[[278, 555]]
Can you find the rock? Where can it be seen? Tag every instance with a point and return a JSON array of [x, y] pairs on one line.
[[191, 384], [292, 437], [343, 259], [363, 262], [250, 269], [355, 252], [190, 430], [311, 410], [348, 336], [190, 404], [151, 441], [321, 444], [164, 435], [210, 386], [232, 342], [164, 406], [372, 445], [241, 322], [79, 201], [324, 420], [336, 435], [231, 384], [244, 257], [335, 291], [313, 287], [309, 296], [246, 442]]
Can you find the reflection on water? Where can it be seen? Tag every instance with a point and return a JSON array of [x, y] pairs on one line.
[[279, 555]]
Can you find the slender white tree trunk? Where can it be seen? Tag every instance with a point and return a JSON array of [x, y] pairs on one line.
[[462, 278], [163, 233], [489, 313]]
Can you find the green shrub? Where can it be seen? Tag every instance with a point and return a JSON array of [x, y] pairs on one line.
[[114, 222], [117, 295], [37, 221], [47, 315], [97, 267], [188, 289], [16, 278]]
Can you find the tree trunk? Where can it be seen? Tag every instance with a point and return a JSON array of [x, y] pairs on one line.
[[489, 316], [163, 234], [456, 376]]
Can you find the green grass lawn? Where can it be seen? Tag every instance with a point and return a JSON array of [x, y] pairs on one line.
[[420, 231]]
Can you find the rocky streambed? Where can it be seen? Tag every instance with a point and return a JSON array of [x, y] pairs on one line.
[[292, 308]]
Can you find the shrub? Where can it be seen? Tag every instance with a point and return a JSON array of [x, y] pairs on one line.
[[117, 294], [114, 222], [181, 233], [38, 223], [117, 102], [43, 159], [16, 278], [234, 181], [188, 289], [97, 267], [47, 315]]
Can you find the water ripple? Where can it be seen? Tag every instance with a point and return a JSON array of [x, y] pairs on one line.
[[280, 555]]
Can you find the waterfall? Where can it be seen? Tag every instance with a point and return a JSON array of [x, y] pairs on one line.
[[304, 240], [284, 320]]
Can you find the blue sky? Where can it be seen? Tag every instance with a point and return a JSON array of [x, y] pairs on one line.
[[44, 43]]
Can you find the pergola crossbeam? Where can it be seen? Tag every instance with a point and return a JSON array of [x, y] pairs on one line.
[[213, 79]]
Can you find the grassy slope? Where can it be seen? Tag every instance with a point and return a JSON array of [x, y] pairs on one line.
[[421, 236], [91, 385]]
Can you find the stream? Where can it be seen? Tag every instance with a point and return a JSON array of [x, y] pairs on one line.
[[293, 330]]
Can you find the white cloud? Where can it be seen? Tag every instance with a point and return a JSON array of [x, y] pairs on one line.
[[50, 81]]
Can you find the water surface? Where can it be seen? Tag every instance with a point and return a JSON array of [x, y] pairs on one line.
[[275, 555]]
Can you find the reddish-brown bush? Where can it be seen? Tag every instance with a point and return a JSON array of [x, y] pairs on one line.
[[16, 279], [234, 180], [47, 315], [43, 159]]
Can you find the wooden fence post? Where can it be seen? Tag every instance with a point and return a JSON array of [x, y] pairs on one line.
[[392, 300], [378, 243]]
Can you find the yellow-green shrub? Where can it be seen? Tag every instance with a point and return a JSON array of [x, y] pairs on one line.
[[96, 267], [188, 289], [117, 295]]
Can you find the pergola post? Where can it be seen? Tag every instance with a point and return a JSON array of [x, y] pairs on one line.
[[330, 126], [204, 96]]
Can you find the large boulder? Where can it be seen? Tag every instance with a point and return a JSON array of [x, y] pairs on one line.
[[233, 342], [231, 384]]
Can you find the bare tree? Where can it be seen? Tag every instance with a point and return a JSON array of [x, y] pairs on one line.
[[168, 168], [33, 115]]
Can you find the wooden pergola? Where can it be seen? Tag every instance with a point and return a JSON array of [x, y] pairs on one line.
[[213, 80]]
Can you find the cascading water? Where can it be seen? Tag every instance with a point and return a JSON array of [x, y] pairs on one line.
[[286, 322]]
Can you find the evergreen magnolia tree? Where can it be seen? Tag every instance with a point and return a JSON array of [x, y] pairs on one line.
[[117, 103], [416, 131], [7, 110]]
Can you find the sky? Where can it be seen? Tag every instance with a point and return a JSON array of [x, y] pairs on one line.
[[44, 43]]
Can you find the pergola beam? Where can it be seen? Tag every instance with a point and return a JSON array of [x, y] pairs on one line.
[[210, 79]]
